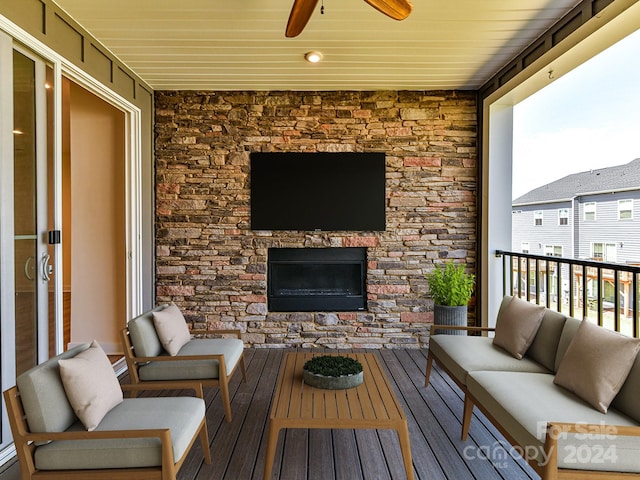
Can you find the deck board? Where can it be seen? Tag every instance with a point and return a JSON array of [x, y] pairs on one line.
[[434, 416]]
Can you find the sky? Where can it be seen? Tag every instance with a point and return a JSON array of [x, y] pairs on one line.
[[587, 119]]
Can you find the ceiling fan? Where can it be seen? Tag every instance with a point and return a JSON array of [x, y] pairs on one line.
[[302, 10]]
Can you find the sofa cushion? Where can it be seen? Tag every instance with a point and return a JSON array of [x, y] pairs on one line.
[[91, 385], [138, 414], [627, 399], [144, 337], [517, 325], [524, 402], [172, 328], [43, 397], [460, 355], [596, 364], [568, 331], [231, 348], [544, 347]]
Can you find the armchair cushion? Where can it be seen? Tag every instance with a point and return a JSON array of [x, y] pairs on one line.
[[91, 385], [182, 415], [43, 381], [231, 348], [144, 337], [596, 364], [172, 329]]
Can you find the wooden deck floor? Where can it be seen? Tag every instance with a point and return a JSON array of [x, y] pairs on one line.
[[434, 415]]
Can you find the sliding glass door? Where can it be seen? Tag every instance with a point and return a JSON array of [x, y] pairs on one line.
[[33, 254], [28, 236]]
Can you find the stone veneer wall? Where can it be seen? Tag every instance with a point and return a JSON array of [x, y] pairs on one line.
[[214, 267]]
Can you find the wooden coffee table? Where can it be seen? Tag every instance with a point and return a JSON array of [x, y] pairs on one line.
[[371, 405]]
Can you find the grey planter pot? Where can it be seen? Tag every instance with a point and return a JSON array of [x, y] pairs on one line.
[[332, 383], [445, 315]]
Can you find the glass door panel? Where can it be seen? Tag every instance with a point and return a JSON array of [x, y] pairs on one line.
[[32, 259]]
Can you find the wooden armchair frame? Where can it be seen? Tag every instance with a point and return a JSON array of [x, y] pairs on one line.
[[25, 447], [134, 362]]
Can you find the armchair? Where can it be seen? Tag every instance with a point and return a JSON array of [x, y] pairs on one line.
[[198, 363], [141, 438]]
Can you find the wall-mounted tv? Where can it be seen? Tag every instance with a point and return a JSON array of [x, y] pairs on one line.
[[318, 191]]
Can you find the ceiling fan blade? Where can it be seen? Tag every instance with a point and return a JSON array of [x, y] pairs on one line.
[[396, 9], [299, 16]]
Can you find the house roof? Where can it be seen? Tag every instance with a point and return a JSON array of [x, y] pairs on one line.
[[241, 44], [610, 179]]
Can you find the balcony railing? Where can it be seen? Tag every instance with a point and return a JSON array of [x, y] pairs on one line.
[[606, 293]]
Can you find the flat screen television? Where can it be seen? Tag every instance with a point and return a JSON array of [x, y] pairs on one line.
[[318, 191]]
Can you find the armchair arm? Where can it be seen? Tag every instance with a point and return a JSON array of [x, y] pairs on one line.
[[163, 434], [180, 358]]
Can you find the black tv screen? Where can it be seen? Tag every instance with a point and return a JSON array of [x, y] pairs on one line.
[[318, 191]]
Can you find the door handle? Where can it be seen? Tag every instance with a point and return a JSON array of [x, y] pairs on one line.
[[27, 268], [46, 268]]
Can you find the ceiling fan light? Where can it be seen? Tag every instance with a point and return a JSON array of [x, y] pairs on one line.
[[313, 57]]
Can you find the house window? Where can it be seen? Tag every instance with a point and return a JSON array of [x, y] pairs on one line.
[[625, 209], [603, 252], [563, 216], [597, 251], [524, 247], [590, 211], [553, 250], [537, 217]]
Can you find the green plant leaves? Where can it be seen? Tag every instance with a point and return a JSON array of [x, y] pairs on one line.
[[451, 285], [333, 366]]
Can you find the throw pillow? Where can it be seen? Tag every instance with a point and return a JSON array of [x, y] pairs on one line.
[[172, 329], [91, 385], [596, 364], [517, 325]]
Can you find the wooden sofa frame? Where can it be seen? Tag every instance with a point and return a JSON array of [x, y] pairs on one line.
[[134, 362], [25, 448], [431, 358]]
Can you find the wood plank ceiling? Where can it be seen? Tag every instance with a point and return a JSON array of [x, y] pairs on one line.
[[240, 45]]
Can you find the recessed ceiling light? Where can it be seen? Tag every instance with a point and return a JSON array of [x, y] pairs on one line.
[[313, 57]]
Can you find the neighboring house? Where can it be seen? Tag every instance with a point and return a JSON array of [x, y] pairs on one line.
[[592, 215]]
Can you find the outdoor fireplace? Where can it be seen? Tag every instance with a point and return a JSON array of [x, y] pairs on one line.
[[316, 279]]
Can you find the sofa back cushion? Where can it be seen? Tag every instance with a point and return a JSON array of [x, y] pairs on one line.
[[43, 396], [568, 331], [544, 347], [144, 337], [627, 399], [596, 364], [517, 325]]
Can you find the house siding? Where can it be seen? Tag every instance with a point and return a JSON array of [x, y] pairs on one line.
[[549, 233], [607, 228], [577, 238]]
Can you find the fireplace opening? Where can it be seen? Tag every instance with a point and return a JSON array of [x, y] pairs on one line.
[[316, 279]]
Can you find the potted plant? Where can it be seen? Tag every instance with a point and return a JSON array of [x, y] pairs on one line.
[[451, 288], [332, 372]]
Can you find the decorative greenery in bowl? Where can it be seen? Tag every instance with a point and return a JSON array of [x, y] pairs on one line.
[[332, 372]]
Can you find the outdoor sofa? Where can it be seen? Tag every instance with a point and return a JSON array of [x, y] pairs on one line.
[[570, 405]]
